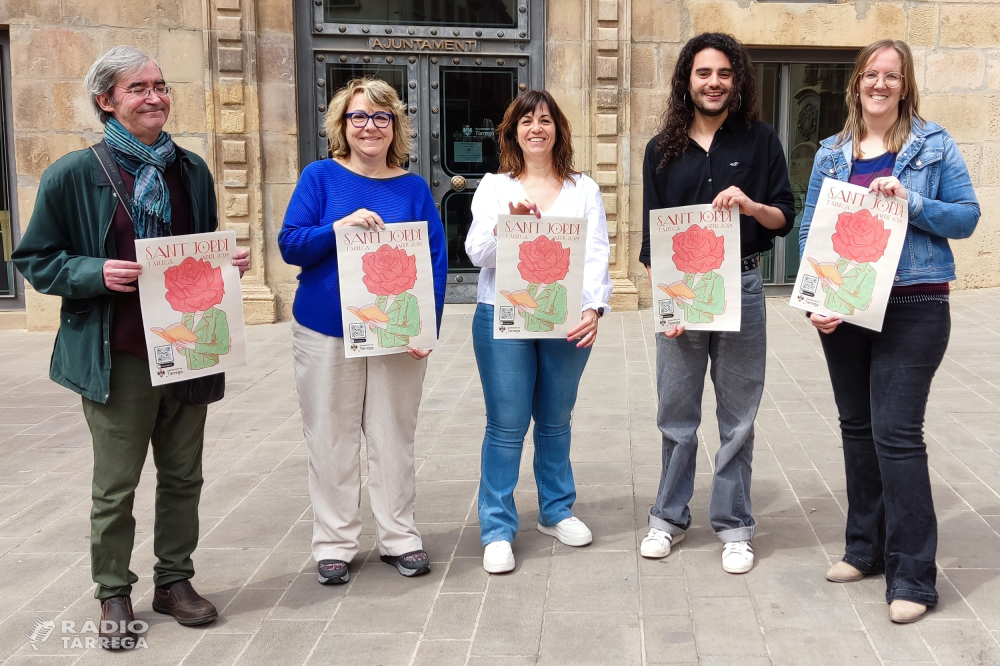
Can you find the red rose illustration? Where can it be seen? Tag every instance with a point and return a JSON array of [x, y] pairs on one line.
[[193, 285], [543, 260], [389, 271], [860, 237], [698, 250]]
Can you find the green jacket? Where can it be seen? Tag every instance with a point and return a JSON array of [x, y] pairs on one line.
[[709, 298], [856, 292], [551, 308], [404, 320], [63, 250], [213, 338]]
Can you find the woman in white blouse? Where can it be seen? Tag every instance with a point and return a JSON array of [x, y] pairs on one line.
[[525, 379]]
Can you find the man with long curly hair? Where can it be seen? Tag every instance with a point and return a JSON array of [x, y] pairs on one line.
[[714, 149]]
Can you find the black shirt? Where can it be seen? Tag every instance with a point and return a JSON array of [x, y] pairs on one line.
[[747, 156]]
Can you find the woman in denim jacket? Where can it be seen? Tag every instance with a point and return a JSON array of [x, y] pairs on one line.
[[881, 381]]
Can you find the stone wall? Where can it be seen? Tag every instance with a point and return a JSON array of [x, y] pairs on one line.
[[217, 55], [957, 52], [231, 64], [52, 45]]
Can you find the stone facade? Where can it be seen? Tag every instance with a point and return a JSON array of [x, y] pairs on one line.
[[958, 73], [232, 66]]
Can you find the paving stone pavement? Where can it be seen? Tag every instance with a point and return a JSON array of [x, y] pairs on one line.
[[597, 605]]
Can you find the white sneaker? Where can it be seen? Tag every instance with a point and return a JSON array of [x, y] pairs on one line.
[[570, 531], [498, 558], [657, 543], [737, 557]]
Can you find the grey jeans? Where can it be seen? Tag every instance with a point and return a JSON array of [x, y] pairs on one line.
[[738, 361]]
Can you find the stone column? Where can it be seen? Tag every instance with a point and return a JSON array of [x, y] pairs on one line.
[[235, 142], [609, 50]]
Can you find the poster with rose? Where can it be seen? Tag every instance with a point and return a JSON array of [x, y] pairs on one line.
[[695, 257], [192, 306], [386, 289], [539, 276], [853, 249]]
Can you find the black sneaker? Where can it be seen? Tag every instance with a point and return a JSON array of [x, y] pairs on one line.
[[332, 572], [409, 564]]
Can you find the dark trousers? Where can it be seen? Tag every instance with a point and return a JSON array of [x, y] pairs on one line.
[[881, 382], [136, 414]]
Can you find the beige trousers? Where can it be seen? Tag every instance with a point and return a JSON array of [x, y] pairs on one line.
[[341, 399]]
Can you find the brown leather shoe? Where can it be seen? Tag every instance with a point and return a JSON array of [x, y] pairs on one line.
[[187, 606], [116, 616]]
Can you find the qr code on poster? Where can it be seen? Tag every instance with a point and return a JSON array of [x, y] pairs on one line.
[[164, 356], [506, 314], [358, 332], [667, 307], [809, 285]]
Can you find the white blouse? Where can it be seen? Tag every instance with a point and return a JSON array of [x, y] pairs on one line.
[[580, 198]]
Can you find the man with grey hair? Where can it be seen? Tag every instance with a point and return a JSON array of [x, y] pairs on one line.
[[80, 245]]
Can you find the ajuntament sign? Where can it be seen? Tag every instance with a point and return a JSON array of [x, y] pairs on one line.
[[421, 44]]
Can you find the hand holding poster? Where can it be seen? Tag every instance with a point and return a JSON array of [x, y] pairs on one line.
[[851, 255], [192, 305], [386, 289], [695, 258], [539, 276]]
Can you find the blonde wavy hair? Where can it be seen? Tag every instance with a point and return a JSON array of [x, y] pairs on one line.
[[909, 101], [378, 95]]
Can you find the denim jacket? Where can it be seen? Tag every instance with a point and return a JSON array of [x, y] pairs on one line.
[[942, 203]]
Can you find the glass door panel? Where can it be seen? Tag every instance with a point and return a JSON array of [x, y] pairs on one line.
[[816, 111], [473, 102], [339, 73], [485, 13], [6, 232], [336, 70], [468, 100], [769, 108], [456, 213]]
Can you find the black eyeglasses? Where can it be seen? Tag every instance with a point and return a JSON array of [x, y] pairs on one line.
[[360, 119]]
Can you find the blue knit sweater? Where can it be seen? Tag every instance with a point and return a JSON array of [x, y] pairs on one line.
[[327, 192]]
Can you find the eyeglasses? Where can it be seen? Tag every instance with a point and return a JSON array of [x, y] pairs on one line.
[[140, 90], [892, 79], [360, 119]]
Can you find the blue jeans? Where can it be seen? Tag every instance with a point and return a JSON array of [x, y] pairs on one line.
[[525, 379], [738, 360], [881, 382]]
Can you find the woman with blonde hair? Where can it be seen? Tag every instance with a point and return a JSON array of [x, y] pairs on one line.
[[533, 378], [363, 185], [881, 380]]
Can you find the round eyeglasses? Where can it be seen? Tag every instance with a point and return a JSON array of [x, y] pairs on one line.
[[892, 79], [360, 119]]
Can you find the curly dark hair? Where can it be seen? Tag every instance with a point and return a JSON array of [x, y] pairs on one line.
[[673, 136], [511, 156]]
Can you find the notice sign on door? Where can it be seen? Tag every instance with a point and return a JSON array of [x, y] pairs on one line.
[[468, 151]]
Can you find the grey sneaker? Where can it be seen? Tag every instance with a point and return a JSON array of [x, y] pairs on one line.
[[413, 563], [332, 572]]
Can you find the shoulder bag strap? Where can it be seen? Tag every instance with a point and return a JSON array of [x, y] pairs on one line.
[[110, 167]]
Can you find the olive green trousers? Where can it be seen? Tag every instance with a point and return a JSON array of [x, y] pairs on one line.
[[136, 414]]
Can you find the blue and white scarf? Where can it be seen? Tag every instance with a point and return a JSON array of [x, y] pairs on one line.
[[150, 199]]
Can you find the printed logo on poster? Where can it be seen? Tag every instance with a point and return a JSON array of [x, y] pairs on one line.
[[386, 289], [695, 259], [191, 299], [539, 276], [851, 254]]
